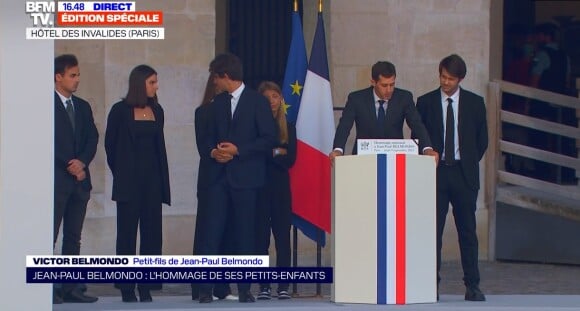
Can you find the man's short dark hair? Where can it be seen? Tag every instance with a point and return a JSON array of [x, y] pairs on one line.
[[455, 65], [385, 69], [64, 62], [227, 63]]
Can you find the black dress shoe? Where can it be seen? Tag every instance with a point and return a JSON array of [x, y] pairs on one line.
[[246, 297], [473, 293], [205, 298], [79, 297], [145, 295], [128, 295]]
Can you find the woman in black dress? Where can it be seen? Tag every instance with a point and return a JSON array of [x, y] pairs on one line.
[[136, 155], [275, 205]]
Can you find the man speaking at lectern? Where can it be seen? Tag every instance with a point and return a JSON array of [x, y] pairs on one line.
[[455, 119], [379, 112]]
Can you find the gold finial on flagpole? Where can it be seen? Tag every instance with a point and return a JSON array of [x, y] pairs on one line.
[[319, 6], [295, 5]]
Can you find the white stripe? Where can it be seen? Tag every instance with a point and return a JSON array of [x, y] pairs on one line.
[[315, 123], [391, 230]]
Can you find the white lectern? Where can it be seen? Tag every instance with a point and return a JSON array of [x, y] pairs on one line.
[[384, 229]]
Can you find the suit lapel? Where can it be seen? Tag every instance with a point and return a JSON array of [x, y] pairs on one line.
[[391, 105], [221, 105], [61, 114], [78, 118], [393, 110], [371, 110], [130, 118], [438, 116], [460, 114]]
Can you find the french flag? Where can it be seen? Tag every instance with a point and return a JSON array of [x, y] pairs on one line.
[[310, 176], [384, 229]]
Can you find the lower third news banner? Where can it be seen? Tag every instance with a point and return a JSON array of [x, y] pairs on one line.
[[167, 269]]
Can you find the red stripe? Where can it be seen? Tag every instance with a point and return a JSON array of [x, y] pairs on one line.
[[401, 229], [310, 184]]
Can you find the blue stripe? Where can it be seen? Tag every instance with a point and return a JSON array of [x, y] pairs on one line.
[[381, 229], [318, 57]]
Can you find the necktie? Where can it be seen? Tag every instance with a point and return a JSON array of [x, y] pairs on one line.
[[381, 115], [230, 115], [449, 134], [71, 113]]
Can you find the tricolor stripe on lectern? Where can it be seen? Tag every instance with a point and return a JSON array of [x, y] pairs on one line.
[[391, 229]]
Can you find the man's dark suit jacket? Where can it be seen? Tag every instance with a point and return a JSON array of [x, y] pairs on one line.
[[472, 129], [360, 108], [252, 129], [121, 152], [80, 144]]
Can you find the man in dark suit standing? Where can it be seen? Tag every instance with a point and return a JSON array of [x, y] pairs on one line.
[[379, 112], [75, 144], [456, 121], [241, 133]]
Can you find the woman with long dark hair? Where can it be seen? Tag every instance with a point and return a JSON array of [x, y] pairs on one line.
[[136, 155]]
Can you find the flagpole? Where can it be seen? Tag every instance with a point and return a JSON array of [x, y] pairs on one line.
[[294, 229], [319, 260], [320, 231], [295, 258]]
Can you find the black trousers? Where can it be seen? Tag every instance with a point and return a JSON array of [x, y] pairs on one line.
[[274, 215], [146, 215], [220, 290], [240, 206], [70, 209], [452, 188]]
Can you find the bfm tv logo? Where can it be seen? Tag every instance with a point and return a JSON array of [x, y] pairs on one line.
[[41, 12]]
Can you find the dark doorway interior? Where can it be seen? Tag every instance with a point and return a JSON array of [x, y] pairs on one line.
[[520, 17], [524, 234], [260, 33], [525, 46]]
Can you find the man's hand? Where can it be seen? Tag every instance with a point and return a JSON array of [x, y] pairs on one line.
[[221, 156], [75, 167], [433, 153], [334, 154], [81, 175], [229, 148]]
